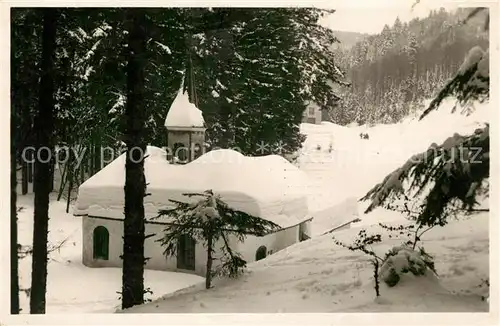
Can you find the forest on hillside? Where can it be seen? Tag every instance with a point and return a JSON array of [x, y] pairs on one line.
[[393, 72]]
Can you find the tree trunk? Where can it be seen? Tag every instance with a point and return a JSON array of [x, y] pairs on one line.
[[208, 274], [92, 159], [43, 128], [14, 278], [24, 177], [135, 183], [71, 175], [52, 174], [25, 136], [30, 166], [63, 180], [82, 172], [97, 156]]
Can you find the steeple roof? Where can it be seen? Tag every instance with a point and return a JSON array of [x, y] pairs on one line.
[[183, 113]]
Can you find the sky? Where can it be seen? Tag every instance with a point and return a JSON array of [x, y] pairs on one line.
[[369, 16]]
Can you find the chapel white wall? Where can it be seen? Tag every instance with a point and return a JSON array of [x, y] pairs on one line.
[[273, 242], [152, 249]]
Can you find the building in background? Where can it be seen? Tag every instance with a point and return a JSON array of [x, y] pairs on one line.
[[312, 114]]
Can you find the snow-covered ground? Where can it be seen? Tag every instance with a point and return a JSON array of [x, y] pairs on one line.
[[318, 276], [312, 276], [355, 165]]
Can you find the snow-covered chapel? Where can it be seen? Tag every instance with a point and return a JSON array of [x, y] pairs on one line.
[[268, 186]]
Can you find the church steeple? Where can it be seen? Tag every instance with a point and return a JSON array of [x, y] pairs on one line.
[[185, 129]]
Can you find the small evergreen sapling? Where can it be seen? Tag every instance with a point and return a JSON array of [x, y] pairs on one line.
[[363, 243], [210, 220], [406, 258]]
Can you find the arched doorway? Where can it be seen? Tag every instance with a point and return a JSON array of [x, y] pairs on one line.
[[101, 243], [186, 249], [261, 253]]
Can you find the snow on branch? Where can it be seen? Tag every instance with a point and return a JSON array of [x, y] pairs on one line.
[[456, 171], [471, 83]]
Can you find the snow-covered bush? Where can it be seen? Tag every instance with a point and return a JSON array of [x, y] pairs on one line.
[[401, 260], [406, 258]]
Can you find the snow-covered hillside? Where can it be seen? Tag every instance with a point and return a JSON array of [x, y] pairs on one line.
[[312, 276], [317, 275], [355, 165]]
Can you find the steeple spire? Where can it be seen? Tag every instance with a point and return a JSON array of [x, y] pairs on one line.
[[185, 128], [183, 113]]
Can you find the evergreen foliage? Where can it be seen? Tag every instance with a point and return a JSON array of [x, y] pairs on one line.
[[255, 79], [449, 177], [209, 220]]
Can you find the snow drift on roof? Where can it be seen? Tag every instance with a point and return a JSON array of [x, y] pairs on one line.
[[269, 186], [183, 113]]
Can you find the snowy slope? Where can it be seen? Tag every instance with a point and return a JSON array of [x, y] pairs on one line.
[[355, 165], [318, 276], [312, 276]]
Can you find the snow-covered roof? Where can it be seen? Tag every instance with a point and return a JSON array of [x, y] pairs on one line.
[[183, 113], [269, 186]]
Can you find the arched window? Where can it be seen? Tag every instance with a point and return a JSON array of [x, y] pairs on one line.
[[186, 248], [181, 152], [101, 243], [261, 253]]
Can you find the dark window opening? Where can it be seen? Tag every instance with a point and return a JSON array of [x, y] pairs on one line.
[[186, 248], [261, 253], [101, 243], [181, 152], [303, 236]]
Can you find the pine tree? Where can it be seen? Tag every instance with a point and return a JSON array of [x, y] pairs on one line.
[[255, 78], [211, 221], [44, 128]]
